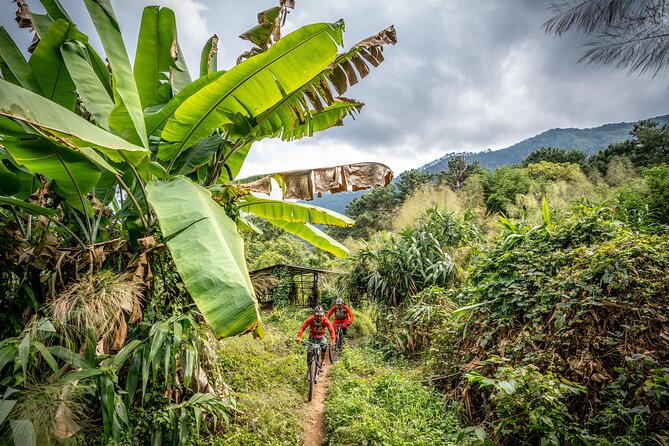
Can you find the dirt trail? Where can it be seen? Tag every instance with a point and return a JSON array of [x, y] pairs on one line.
[[313, 411]]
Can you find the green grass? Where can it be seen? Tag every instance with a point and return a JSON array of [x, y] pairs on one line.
[[267, 378], [374, 403]]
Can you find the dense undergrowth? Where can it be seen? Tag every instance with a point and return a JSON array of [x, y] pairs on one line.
[[551, 330], [372, 402]]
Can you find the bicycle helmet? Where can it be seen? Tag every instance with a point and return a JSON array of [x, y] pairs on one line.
[[319, 311], [339, 301]]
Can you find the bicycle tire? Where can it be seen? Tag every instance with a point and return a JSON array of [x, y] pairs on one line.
[[313, 370], [333, 353]]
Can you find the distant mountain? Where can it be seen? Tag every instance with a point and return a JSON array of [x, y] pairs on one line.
[[590, 141], [586, 140]]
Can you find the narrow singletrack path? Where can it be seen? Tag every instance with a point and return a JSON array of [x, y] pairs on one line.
[[313, 411]]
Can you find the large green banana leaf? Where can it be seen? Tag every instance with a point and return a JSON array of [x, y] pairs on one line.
[[208, 59], [254, 85], [93, 92], [208, 253], [127, 119], [314, 236], [15, 65], [55, 10], [9, 181], [196, 156], [74, 174], [49, 67], [156, 121], [62, 125], [278, 210], [157, 32]]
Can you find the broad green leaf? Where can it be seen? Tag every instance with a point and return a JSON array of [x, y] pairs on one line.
[[208, 253], [41, 23], [123, 354], [49, 67], [6, 406], [24, 353], [156, 121], [127, 119], [62, 125], [179, 75], [7, 356], [196, 156], [208, 60], [314, 236], [23, 432], [93, 92], [55, 10], [74, 174], [9, 181], [545, 213], [70, 357], [331, 116], [233, 164], [152, 58], [132, 378], [15, 65], [254, 85], [275, 210], [46, 354]]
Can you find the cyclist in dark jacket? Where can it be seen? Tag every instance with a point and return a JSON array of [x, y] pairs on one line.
[[317, 324]]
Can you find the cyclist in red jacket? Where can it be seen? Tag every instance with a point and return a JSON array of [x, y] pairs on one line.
[[317, 325], [343, 315]]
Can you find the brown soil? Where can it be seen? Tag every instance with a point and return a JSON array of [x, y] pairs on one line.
[[313, 411]]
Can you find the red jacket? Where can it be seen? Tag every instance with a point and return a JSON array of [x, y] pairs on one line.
[[346, 320], [316, 329]]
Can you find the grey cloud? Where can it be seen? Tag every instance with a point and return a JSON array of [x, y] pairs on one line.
[[463, 76]]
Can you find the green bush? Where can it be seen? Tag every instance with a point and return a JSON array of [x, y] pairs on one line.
[[529, 406], [372, 403], [657, 179]]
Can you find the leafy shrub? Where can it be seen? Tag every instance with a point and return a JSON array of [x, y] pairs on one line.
[[556, 172], [399, 266], [363, 323], [574, 296], [657, 179], [529, 406]]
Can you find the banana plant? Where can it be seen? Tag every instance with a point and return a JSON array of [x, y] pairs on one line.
[[115, 148]]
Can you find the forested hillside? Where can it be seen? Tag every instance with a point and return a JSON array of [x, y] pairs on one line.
[[588, 141]]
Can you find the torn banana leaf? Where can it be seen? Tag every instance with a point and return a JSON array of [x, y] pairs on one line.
[[304, 184]]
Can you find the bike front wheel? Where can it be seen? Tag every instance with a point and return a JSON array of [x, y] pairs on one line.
[[311, 374], [333, 353]]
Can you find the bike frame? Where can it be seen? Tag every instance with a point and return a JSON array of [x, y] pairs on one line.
[[313, 365]]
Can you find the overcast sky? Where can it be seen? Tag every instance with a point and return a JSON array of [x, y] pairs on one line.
[[461, 77]]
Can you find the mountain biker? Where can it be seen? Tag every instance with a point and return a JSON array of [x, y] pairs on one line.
[[317, 325], [343, 315]]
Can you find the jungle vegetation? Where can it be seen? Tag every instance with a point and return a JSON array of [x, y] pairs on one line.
[[121, 214]]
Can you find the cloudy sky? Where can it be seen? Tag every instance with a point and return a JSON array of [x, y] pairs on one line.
[[461, 77]]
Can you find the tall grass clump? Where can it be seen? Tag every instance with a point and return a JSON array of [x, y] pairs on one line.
[[426, 196]]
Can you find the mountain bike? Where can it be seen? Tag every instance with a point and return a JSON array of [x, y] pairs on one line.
[[333, 353], [313, 365]]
